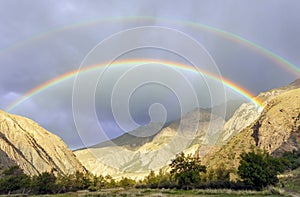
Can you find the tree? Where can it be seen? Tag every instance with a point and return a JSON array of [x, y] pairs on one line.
[[186, 170], [152, 180], [97, 183], [220, 173], [44, 183], [63, 183], [126, 182], [259, 169], [110, 181], [82, 180], [291, 160], [164, 180], [14, 179]]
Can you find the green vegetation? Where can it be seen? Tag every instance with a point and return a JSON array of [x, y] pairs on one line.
[[291, 178], [13, 179], [257, 170], [222, 173], [186, 170], [291, 160], [169, 192]]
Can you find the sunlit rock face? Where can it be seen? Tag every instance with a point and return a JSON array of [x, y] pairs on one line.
[[276, 130], [214, 139], [247, 113], [119, 158], [243, 116], [26, 144]]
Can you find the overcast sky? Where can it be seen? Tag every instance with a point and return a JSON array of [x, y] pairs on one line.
[[41, 40]]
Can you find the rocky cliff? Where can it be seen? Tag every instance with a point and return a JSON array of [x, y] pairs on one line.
[[247, 113], [195, 129], [243, 116], [277, 129], [23, 142], [274, 127]]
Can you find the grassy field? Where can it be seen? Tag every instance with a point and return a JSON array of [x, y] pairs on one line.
[[165, 193]]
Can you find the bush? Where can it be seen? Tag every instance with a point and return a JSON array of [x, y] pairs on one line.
[[14, 179], [186, 170], [44, 183], [291, 160], [259, 170], [126, 182]]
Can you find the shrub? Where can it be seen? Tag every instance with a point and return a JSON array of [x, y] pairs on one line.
[[186, 170], [259, 169]]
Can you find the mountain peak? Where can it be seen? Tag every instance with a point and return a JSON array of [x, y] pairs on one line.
[[26, 144]]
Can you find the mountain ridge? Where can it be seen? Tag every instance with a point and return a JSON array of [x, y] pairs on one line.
[[26, 144], [183, 134], [203, 145], [278, 123], [274, 128]]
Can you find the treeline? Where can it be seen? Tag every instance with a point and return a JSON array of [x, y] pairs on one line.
[[257, 170], [13, 180]]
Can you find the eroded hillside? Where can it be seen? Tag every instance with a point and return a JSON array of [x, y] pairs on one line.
[[23, 142], [276, 130]]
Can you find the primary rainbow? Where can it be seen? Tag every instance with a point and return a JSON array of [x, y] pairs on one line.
[[292, 68], [233, 86]]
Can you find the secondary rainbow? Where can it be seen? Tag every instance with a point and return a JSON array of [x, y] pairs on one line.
[[233, 86], [292, 68]]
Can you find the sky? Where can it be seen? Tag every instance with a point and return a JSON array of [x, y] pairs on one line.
[[254, 44]]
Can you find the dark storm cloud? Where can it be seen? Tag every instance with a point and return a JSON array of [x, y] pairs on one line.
[[52, 49]]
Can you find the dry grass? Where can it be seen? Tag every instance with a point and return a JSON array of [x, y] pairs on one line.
[[168, 192]]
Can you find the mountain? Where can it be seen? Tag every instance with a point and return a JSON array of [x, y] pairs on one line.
[[242, 117], [134, 139], [269, 95], [188, 134], [26, 144], [276, 130], [273, 127], [249, 112], [228, 108]]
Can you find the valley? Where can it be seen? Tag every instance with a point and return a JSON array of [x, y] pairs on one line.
[[128, 160]]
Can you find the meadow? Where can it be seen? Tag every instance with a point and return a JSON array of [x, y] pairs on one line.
[[171, 192]]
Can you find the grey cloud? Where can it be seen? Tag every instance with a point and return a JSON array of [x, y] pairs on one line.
[[41, 40]]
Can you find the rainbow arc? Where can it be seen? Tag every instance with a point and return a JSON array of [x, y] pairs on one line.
[[69, 75]]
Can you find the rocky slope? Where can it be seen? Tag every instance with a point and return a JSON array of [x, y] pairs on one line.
[[134, 139], [269, 95], [243, 116], [195, 129], [23, 142], [250, 127], [277, 129], [247, 113]]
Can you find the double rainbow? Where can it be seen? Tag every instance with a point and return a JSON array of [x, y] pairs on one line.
[[292, 68], [197, 26], [69, 75]]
